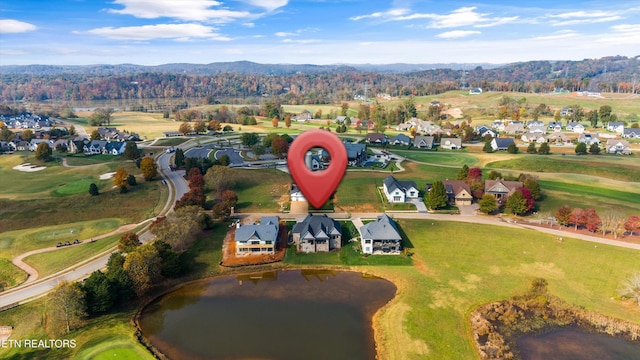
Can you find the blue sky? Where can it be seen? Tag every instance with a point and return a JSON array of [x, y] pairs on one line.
[[151, 32]]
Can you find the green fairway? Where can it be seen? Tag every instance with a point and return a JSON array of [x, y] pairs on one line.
[[10, 275], [50, 262], [608, 166], [83, 160], [448, 158]]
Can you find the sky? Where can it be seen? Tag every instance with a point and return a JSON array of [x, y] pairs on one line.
[[153, 32]]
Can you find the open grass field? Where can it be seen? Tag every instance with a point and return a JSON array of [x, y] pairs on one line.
[[147, 125], [608, 166], [174, 141], [458, 267], [10, 275], [446, 158], [261, 190], [82, 160]]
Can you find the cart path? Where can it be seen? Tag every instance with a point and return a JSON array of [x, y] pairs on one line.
[[33, 273]]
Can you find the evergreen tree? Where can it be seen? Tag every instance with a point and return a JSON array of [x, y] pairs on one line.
[[436, 197], [544, 149], [531, 149], [93, 189], [581, 148], [594, 149], [462, 174], [487, 147], [131, 151], [488, 204], [516, 203], [178, 158], [512, 149]]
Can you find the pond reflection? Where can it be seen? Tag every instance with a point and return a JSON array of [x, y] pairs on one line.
[[303, 314]]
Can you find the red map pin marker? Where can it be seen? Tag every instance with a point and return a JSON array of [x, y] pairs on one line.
[[317, 186]]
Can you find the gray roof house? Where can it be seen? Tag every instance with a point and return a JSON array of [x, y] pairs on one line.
[[501, 189], [381, 237], [317, 233], [501, 143], [515, 127], [399, 191], [423, 142], [620, 147], [631, 133], [356, 153], [400, 139], [451, 143], [257, 239]]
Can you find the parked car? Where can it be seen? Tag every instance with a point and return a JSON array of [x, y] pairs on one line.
[[68, 243], [59, 244], [76, 241]]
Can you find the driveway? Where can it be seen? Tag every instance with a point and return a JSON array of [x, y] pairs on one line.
[[468, 210], [422, 208]]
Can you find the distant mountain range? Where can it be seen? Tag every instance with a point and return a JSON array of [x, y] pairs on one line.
[[306, 83], [238, 67]]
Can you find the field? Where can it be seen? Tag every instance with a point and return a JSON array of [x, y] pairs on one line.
[[456, 268]]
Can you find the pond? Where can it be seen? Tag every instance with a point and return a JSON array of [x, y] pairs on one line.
[[295, 314], [576, 344]]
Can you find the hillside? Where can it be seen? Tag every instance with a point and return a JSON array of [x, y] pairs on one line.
[[299, 84]]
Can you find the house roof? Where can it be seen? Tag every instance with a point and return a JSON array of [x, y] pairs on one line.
[[392, 184], [455, 187], [455, 141], [317, 227], [504, 142], [384, 228], [354, 150], [420, 140], [401, 138], [630, 131], [501, 186], [267, 230], [376, 137]]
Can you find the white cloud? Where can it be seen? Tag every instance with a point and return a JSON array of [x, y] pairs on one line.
[[269, 5], [300, 41], [386, 14], [249, 25], [564, 34], [456, 34], [626, 28], [464, 16], [10, 26], [584, 17], [181, 32], [584, 14], [284, 34], [188, 10], [12, 52]]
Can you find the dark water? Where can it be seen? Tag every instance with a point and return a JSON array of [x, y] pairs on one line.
[[302, 314], [576, 344]]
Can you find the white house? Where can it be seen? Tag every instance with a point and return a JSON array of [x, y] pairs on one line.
[[501, 143], [620, 147], [615, 126], [399, 191], [451, 143], [631, 133], [533, 137], [576, 127], [381, 237]]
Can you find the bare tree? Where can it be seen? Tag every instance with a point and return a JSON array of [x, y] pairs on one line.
[[631, 288], [67, 304]]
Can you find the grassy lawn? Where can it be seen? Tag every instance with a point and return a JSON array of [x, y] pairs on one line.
[[173, 141], [82, 160], [459, 267], [147, 125], [10, 275], [261, 189], [105, 337], [450, 158], [605, 165], [48, 263]]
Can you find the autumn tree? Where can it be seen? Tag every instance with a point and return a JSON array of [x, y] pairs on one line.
[[143, 267], [493, 175], [101, 116], [120, 179], [488, 204], [149, 168], [185, 128], [516, 203], [179, 228], [128, 242], [531, 183], [632, 224], [287, 121], [95, 135], [43, 152], [563, 215], [631, 288], [474, 174], [214, 125], [220, 178], [279, 147], [28, 135], [577, 218], [437, 196], [66, 304]]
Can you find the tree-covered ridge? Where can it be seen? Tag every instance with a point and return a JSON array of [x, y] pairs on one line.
[[316, 84]]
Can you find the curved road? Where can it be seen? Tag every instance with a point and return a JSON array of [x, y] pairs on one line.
[[177, 185]]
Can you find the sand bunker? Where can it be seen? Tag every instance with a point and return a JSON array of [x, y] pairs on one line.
[[106, 176], [27, 167]]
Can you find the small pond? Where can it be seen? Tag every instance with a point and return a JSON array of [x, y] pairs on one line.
[[576, 344], [301, 314]]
